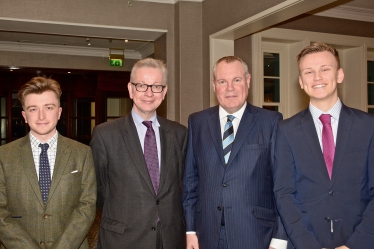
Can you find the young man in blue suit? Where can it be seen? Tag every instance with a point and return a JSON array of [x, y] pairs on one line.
[[324, 162], [228, 195]]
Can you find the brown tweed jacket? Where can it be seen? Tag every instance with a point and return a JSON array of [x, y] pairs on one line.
[[63, 222]]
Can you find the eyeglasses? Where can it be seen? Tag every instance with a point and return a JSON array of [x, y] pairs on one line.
[[144, 87]]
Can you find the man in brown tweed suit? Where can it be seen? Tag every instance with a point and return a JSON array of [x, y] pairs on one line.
[[60, 217]]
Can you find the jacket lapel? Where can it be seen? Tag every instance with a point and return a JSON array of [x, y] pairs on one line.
[[27, 162], [215, 132], [311, 137], [342, 138], [246, 123], [131, 139], [167, 144], [62, 158]]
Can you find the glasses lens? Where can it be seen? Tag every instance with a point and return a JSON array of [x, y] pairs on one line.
[[141, 87], [157, 88]]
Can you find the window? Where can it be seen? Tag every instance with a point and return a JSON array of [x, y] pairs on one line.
[[370, 80], [3, 120], [271, 81]]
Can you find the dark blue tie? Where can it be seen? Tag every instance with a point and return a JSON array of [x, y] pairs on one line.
[[44, 172]]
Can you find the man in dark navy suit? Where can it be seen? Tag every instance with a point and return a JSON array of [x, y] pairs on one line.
[[228, 187], [324, 162]]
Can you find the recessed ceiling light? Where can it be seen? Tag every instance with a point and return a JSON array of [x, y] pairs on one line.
[[68, 72], [13, 67], [126, 40]]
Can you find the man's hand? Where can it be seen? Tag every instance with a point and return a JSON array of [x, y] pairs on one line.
[[192, 241], [342, 247], [272, 248]]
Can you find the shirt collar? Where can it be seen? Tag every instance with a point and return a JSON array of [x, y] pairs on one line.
[[138, 120], [238, 115], [52, 142], [334, 111]]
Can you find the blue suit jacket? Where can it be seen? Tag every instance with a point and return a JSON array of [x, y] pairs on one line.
[[244, 187], [316, 211]]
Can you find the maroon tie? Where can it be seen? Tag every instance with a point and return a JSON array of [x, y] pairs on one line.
[[327, 142], [151, 155]]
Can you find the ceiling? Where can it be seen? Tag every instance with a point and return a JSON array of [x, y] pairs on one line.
[[65, 38]]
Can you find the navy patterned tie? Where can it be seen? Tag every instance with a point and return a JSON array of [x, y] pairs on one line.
[[151, 155], [44, 172], [228, 137]]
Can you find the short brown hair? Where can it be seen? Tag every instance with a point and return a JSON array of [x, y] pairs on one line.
[[318, 47], [152, 63], [229, 59], [39, 85]]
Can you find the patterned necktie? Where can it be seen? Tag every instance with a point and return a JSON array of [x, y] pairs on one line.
[[327, 142], [228, 137], [44, 172], [151, 155]]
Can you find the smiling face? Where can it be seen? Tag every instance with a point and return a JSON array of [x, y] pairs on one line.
[[231, 85], [146, 103], [42, 112], [319, 76]]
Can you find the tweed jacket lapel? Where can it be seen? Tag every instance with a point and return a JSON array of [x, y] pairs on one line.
[[62, 157], [131, 139], [27, 162]]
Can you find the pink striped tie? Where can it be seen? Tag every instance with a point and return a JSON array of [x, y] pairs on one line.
[[327, 142]]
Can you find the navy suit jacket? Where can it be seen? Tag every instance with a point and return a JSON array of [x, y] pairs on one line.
[[316, 211], [244, 187]]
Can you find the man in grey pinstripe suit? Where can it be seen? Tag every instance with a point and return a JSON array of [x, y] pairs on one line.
[[230, 205]]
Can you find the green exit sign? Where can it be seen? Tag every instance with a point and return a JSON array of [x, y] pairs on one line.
[[116, 62]]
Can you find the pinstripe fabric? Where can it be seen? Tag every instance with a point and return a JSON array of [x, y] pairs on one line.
[[25, 222], [243, 188]]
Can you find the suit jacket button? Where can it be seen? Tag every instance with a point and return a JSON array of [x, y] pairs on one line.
[[224, 185], [41, 243], [158, 202], [153, 229], [219, 208], [331, 193], [327, 219]]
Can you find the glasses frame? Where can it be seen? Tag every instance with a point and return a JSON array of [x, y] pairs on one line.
[[148, 86]]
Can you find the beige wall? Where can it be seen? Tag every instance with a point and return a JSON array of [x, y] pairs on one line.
[[220, 14], [329, 25], [185, 47]]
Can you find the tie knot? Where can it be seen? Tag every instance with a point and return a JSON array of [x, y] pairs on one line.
[[325, 118], [148, 124], [44, 147], [230, 118]]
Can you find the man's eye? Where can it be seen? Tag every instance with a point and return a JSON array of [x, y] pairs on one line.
[[156, 87], [237, 80], [142, 86], [221, 82]]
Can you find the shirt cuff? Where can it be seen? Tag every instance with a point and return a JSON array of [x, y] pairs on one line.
[[278, 243], [191, 232]]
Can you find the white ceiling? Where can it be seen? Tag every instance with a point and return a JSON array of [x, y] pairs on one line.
[[65, 38]]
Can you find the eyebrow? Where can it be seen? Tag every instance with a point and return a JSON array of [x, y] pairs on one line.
[[28, 107]]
